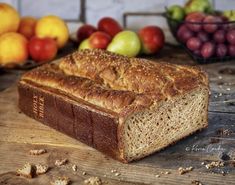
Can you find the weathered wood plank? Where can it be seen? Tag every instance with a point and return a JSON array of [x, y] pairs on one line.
[[95, 164]]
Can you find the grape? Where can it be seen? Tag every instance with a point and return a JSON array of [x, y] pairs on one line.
[[212, 25], [203, 36], [208, 49], [197, 52], [184, 33], [194, 21], [231, 50], [221, 50], [219, 36], [231, 36], [194, 43]]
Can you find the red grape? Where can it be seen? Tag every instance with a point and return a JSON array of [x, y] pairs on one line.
[[208, 49], [197, 52], [219, 36], [231, 50], [194, 43], [203, 36], [184, 33], [221, 50], [231, 36], [210, 23], [194, 21]]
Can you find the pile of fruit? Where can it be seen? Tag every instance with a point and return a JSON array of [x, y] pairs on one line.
[[27, 37], [110, 35], [206, 33]]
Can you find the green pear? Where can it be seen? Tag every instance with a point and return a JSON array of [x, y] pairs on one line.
[[230, 14], [198, 6], [176, 12], [126, 43], [84, 45]]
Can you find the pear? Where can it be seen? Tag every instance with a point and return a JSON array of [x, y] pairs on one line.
[[126, 43], [84, 45]]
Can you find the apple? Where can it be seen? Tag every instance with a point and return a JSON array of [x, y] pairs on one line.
[[84, 32], [125, 43], [198, 6], [176, 12], [193, 21], [109, 26], [42, 49], [152, 39], [99, 40], [85, 44]]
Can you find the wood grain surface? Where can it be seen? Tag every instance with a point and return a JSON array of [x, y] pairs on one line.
[[19, 134]]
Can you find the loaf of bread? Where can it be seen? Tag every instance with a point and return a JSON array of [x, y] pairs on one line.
[[124, 107]]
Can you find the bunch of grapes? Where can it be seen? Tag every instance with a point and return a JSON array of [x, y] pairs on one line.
[[208, 35]]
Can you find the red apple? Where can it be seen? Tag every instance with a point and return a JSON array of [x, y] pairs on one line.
[[84, 32], [99, 40], [42, 49], [194, 21], [152, 38], [109, 25]]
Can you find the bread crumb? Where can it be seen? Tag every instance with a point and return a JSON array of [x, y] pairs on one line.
[[184, 170], [93, 181], [61, 162], [74, 168], [41, 169], [26, 171], [113, 171], [83, 173], [157, 176], [167, 172], [61, 181], [215, 164], [117, 174], [37, 151], [196, 182]]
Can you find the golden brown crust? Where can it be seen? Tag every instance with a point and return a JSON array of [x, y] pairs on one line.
[[115, 82]]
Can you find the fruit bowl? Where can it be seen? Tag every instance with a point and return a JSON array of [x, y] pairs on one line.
[[206, 38]]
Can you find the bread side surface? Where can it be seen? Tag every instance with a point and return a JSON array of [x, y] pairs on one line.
[[76, 119]]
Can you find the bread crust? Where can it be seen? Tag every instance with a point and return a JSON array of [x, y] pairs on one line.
[[104, 89]]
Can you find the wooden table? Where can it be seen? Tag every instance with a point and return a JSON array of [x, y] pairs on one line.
[[19, 134]]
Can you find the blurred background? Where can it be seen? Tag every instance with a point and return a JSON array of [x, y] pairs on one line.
[[91, 11]]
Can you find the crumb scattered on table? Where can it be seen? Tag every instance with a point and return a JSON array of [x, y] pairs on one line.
[[93, 181], [214, 164], [41, 169], [26, 171], [184, 170], [75, 168], [37, 151], [196, 182], [61, 162], [61, 181]]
